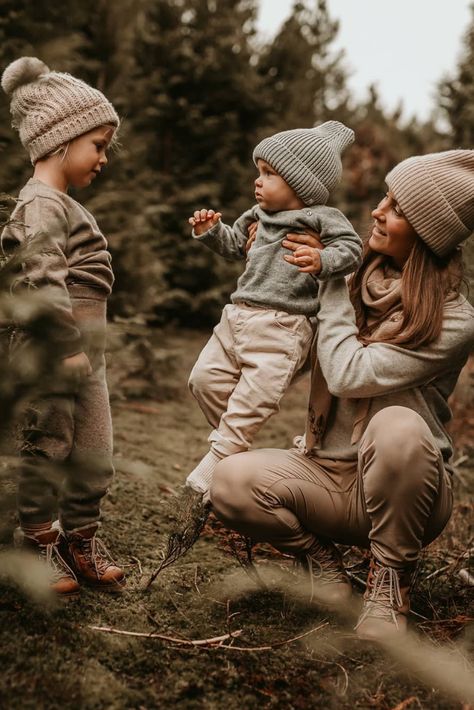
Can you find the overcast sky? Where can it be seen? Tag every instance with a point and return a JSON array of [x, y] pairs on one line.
[[403, 46]]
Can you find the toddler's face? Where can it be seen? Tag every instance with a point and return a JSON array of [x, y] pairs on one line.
[[272, 193]]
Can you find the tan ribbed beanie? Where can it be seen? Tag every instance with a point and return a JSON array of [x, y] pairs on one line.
[[51, 108], [436, 195], [308, 159]]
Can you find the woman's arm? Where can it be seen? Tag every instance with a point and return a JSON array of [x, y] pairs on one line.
[[354, 370]]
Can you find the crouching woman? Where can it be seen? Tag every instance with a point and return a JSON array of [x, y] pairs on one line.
[[373, 469]]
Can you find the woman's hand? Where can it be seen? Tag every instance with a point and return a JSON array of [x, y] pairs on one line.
[[305, 250], [252, 232]]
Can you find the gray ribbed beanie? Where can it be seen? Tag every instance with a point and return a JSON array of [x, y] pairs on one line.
[[51, 108], [308, 159], [436, 195]]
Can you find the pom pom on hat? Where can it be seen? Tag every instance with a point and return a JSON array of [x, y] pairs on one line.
[[22, 71]]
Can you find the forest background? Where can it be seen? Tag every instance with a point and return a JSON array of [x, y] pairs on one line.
[[197, 88]]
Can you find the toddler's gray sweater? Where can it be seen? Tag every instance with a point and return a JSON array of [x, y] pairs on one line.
[[268, 280]]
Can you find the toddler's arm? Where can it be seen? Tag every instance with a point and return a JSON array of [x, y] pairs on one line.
[[229, 242]]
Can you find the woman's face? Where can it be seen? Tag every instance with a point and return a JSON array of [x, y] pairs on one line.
[[392, 234]]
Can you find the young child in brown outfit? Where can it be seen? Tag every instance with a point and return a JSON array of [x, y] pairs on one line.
[[66, 126]]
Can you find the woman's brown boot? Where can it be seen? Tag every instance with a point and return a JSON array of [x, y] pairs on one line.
[[386, 603]]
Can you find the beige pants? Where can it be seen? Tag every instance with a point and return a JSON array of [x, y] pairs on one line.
[[244, 370], [395, 499]]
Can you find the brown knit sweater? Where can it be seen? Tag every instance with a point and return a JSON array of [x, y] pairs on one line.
[[71, 256]]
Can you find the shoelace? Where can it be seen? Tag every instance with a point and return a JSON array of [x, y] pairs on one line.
[[384, 596], [94, 550], [325, 569], [55, 562]]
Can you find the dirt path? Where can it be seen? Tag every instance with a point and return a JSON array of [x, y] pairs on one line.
[[56, 660]]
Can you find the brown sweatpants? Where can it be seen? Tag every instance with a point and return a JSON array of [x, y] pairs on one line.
[[66, 456], [395, 499]]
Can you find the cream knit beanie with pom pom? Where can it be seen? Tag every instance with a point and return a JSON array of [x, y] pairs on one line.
[[51, 108]]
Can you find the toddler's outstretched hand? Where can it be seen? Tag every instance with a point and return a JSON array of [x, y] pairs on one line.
[[202, 220]]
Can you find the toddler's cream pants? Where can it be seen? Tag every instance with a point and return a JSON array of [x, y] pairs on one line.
[[244, 370]]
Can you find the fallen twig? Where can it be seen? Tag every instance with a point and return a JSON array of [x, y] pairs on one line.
[[438, 571], [277, 644], [216, 642], [171, 639], [138, 563]]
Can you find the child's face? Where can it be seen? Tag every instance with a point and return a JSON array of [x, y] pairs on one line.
[[86, 156], [272, 193]]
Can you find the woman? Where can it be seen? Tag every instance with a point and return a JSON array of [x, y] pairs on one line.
[[373, 468]]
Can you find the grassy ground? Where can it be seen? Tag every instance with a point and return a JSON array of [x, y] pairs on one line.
[[53, 658]]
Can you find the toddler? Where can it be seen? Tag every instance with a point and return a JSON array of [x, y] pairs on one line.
[[264, 334]]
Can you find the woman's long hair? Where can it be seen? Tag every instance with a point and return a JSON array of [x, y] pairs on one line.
[[427, 282]]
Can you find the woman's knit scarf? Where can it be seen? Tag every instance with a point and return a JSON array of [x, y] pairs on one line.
[[381, 294]]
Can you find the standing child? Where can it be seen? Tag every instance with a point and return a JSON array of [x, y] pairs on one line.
[[265, 333], [66, 126]]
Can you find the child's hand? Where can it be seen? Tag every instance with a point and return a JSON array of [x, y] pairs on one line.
[[76, 367], [202, 220]]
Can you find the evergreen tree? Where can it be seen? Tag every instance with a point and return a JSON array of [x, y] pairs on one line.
[[457, 94], [306, 78], [196, 106], [457, 102]]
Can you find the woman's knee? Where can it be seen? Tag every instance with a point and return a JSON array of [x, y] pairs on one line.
[[231, 488], [398, 454], [396, 433]]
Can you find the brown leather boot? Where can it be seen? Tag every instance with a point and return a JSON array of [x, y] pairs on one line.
[[386, 603], [330, 585], [92, 562], [45, 544]]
